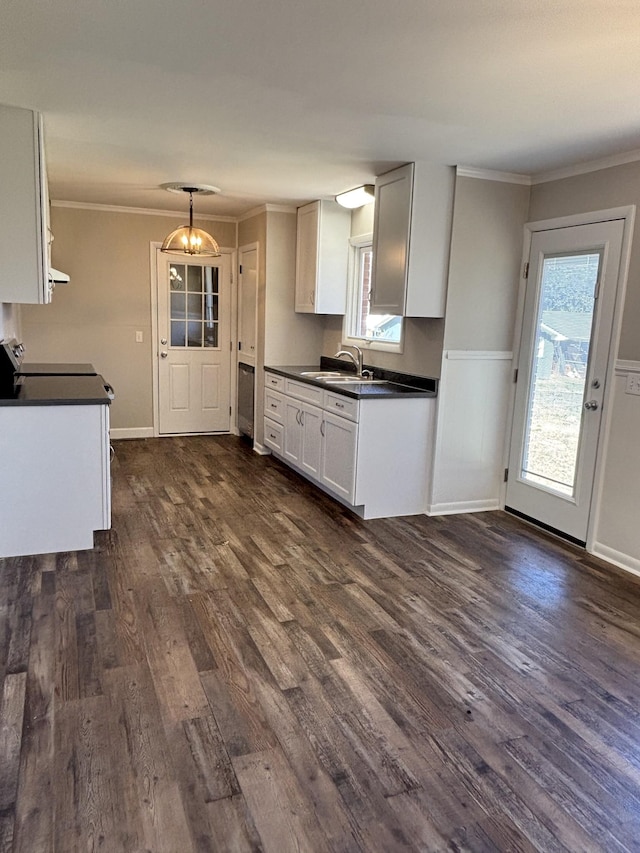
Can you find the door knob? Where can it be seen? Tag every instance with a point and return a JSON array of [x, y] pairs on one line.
[[591, 405], [163, 341], [164, 354]]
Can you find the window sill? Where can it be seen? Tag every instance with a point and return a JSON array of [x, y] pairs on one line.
[[379, 346]]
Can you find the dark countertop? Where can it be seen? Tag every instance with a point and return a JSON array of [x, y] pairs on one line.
[[394, 384], [58, 391], [41, 368]]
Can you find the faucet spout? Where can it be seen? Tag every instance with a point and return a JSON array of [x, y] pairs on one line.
[[356, 359]]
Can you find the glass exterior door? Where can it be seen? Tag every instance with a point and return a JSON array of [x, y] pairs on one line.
[[562, 342], [562, 368]]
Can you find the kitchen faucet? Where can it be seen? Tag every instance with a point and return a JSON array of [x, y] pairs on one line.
[[358, 362]]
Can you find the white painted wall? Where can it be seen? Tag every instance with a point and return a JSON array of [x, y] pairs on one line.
[[617, 537], [10, 321], [475, 384]]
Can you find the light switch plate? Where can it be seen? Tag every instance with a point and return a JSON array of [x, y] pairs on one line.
[[138, 337]]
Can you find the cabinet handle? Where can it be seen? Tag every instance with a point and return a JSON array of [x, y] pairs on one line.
[[273, 406], [321, 427], [339, 405], [301, 418]]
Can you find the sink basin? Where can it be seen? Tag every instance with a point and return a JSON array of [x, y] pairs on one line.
[[320, 374], [350, 380]]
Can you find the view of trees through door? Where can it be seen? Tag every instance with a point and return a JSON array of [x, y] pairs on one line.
[[564, 323]]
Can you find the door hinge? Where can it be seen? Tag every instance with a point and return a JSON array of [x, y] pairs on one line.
[[515, 375], [239, 345], [230, 346], [229, 410], [506, 474], [525, 271], [240, 269]]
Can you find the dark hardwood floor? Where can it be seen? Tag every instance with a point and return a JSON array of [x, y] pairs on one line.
[[241, 664]]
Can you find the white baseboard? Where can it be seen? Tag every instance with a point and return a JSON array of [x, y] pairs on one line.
[[261, 450], [463, 506], [622, 561], [131, 432]]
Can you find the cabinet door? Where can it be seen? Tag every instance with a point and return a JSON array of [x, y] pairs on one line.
[[307, 257], [312, 440], [392, 221], [24, 241], [340, 442], [293, 433], [248, 299]]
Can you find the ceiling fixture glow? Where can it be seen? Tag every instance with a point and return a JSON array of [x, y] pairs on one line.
[[188, 240], [357, 197]]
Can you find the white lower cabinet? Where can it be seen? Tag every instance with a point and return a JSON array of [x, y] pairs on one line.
[[373, 455], [338, 469]]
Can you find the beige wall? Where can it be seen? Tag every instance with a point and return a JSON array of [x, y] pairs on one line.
[[486, 249], [615, 187], [96, 316]]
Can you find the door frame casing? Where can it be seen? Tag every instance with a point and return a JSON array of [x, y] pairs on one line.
[[154, 250], [627, 214]]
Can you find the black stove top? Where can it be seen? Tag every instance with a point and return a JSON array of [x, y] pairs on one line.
[[40, 383]]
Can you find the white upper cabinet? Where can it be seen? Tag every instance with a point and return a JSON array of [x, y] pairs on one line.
[[411, 240], [24, 209], [322, 256]]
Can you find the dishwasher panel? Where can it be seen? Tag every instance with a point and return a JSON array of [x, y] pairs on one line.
[[246, 386]]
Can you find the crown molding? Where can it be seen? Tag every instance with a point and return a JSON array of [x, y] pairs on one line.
[[492, 175], [267, 208], [144, 211], [585, 168]]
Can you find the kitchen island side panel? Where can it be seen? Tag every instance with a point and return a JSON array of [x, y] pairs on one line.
[[55, 466]]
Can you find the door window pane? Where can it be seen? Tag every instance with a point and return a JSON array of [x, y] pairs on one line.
[[177, 306], [176, 276], [194, 338], [194, 306], [559, 369], [194, 279], [177, 334], [198, 306]]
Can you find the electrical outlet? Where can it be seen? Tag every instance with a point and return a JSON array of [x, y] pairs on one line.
[[139, 337], [633, 384]]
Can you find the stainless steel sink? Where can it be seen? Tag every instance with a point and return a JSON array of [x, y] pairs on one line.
[[320, 374], [350, 380]]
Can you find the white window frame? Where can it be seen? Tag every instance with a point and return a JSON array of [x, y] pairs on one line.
[[353, 301]]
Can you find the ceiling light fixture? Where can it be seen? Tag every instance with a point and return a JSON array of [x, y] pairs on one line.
[[188, 240], [357, 197]]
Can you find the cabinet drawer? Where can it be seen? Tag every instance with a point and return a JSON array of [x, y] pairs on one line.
[[273, 405], [272, 380], [345, 406], [302, 391], [273, 434]]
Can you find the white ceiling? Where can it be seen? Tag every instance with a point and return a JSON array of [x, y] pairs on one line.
[[284, 101]]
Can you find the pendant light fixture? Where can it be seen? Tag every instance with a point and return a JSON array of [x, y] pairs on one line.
[[188, 240]]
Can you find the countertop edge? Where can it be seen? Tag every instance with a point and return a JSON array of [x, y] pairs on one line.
[[371, 392]]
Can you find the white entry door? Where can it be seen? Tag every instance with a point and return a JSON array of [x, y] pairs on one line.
[[194, 344], [562, 369]]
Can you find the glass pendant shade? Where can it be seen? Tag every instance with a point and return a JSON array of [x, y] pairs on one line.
[[188, 240]]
